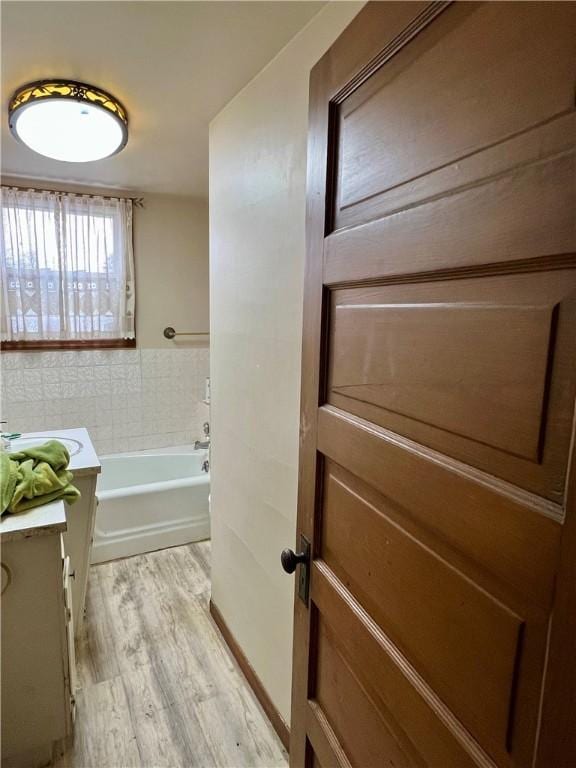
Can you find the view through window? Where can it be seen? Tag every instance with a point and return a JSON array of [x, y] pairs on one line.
[[67, 267]]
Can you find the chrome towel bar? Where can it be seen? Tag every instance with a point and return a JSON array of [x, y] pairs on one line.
[[170, 333]]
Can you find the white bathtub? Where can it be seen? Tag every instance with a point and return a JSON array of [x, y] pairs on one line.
[[150, 501]]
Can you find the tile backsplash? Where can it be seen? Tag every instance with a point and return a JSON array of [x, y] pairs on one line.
[[129, 399]]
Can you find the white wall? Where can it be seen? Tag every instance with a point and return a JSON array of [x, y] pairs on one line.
[[257, 210], [171, 261]]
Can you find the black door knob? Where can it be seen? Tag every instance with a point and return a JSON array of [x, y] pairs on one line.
[[290, 559]]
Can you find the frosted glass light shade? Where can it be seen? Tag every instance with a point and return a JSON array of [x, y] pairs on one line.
[[68, 121]]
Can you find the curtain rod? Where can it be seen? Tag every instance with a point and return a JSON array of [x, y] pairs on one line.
[[137, 202]]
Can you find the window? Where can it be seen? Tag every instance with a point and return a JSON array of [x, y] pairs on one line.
[[67, 270]]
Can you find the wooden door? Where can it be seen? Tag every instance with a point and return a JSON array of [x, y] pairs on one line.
[[438, 389]]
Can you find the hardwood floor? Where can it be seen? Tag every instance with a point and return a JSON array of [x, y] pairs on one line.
[[158, 687]]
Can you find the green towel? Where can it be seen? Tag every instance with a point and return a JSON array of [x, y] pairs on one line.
[[36, 476]]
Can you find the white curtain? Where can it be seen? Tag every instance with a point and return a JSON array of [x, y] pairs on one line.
[[67, 267]]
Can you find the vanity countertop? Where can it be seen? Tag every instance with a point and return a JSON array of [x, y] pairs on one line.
[[50, 518], [39, 521], [83, 457]]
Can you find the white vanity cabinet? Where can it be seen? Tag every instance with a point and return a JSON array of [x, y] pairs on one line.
[[85, 467], [44, 557], [37, 637]]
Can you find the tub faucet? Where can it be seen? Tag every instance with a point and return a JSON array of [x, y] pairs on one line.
[[200, 445]]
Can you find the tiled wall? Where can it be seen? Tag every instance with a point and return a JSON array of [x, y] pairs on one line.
[[128, 399]]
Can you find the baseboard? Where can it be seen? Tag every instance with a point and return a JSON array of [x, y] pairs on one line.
[[254, 681]]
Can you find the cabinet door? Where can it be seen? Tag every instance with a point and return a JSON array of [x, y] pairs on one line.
[[35, 686], [78, 543]]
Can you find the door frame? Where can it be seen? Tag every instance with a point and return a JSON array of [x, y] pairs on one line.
[[370, 40], [556, 746]]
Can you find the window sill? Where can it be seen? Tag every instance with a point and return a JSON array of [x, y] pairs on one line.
[[49, 346]]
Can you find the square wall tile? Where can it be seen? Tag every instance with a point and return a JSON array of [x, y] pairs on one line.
[[10, 361]]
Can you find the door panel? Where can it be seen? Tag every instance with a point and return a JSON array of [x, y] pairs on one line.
[[424, 98], [477, 370], [486, 222], [447, 627], [438, 384], [408, 708], [472, 367], [365, 736]]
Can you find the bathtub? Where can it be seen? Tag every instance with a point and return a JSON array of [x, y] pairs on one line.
[[150, 501]]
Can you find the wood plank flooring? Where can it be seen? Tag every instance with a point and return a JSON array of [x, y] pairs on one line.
[[158, 687]]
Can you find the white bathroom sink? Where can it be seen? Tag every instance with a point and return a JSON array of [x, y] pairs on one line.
[[30, 441]]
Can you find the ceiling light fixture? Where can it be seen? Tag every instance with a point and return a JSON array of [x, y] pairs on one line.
[[69, 121]]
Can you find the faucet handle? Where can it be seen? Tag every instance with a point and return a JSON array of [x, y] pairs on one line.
[[206, 428]]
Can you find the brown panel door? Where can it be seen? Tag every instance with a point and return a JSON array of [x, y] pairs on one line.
[[438, 389]]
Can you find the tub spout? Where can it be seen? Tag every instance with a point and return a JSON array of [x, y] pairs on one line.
[[202, 445]]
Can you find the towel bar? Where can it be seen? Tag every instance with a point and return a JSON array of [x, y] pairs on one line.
[[169, 333]]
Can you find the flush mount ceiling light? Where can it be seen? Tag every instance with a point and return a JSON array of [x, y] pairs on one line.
[[68, 121]]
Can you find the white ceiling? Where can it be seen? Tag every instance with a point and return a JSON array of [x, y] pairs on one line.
[[174, 65]]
